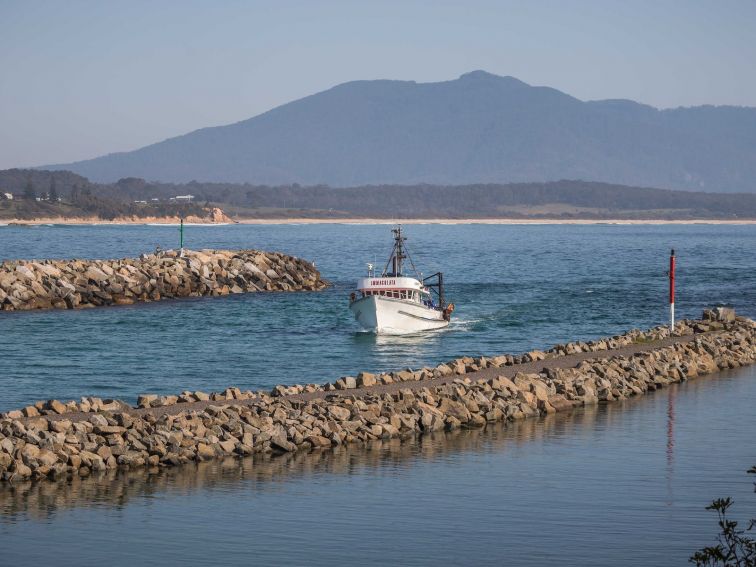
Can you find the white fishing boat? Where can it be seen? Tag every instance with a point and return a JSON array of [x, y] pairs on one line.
[[396, 302]]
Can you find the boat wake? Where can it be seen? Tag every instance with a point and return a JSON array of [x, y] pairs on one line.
[[462, 324]]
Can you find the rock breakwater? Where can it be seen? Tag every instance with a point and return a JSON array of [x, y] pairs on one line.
[[71, 284], [56, 440]]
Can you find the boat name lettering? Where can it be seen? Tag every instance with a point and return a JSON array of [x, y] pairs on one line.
[[383, 282]]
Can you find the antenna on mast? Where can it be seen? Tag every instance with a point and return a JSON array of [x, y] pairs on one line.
[[398, 255]]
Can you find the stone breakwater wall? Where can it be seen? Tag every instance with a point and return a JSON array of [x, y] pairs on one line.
[[70, 284], [62, 444], [714, 320]]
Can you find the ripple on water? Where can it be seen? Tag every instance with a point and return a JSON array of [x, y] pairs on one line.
[[515, 288]]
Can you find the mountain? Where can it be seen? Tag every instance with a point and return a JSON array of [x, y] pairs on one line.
[[479, 128]]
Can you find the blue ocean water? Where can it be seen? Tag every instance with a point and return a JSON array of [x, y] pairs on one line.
[[516, 287], [622, 484]]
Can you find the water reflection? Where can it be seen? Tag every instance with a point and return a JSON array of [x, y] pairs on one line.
[[528, 493], [670, 472], [263, 473]]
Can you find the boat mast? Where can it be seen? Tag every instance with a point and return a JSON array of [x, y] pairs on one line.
[[398, 254], [397, 257]]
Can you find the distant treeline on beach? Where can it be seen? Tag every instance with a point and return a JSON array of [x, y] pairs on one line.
[[559, 199]]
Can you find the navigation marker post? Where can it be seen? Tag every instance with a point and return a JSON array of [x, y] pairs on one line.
[[181, 238], [672, 291]]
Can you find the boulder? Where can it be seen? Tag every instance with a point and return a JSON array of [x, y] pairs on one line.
[[60, 425], [366, 379], [146, 400], [535, 355], [56, 406], [455, 409], [724, 314], [281, 443], [98, 420], [339, 413], [318, 441], [95, 274], [30, 411], [47, 458], [205, 452], [109, 429], [29, 452], [20, 469]]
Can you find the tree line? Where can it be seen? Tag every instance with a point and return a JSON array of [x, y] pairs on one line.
[[567, 198]]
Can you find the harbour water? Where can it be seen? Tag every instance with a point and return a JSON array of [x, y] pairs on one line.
[[622, 484], [515, 288]]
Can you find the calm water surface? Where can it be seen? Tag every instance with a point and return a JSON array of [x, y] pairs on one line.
[[624, 484]]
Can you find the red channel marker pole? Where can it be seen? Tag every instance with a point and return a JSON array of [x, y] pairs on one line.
[[672, 291]]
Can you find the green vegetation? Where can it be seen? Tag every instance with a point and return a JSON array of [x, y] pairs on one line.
[[29, 193], [734, 548], [557, 200], [83, 203]]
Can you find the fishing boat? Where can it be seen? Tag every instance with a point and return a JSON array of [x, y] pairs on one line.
[[397, 302]]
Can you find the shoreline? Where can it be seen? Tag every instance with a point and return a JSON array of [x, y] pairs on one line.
[[152, 221]]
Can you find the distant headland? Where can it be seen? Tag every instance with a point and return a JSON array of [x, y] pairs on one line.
[[37, 196]]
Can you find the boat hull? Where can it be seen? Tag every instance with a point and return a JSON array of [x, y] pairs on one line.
[[395, 316]]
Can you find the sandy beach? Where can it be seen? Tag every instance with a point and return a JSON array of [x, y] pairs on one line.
[[494, 221], [274, 221]]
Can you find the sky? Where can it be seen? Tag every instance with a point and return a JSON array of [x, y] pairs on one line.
[[79, 79]]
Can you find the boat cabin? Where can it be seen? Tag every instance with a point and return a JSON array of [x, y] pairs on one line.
[[408, 289]]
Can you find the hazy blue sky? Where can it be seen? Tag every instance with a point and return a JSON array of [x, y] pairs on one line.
[[80, 79]]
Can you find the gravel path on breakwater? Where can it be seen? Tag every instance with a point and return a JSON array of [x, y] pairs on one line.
[[50, 441], [74, 284]]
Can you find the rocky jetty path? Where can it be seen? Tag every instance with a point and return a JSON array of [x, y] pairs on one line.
[[57, 440], [71, 284]]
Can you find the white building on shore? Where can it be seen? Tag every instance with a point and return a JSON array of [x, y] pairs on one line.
[[8, 196]]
